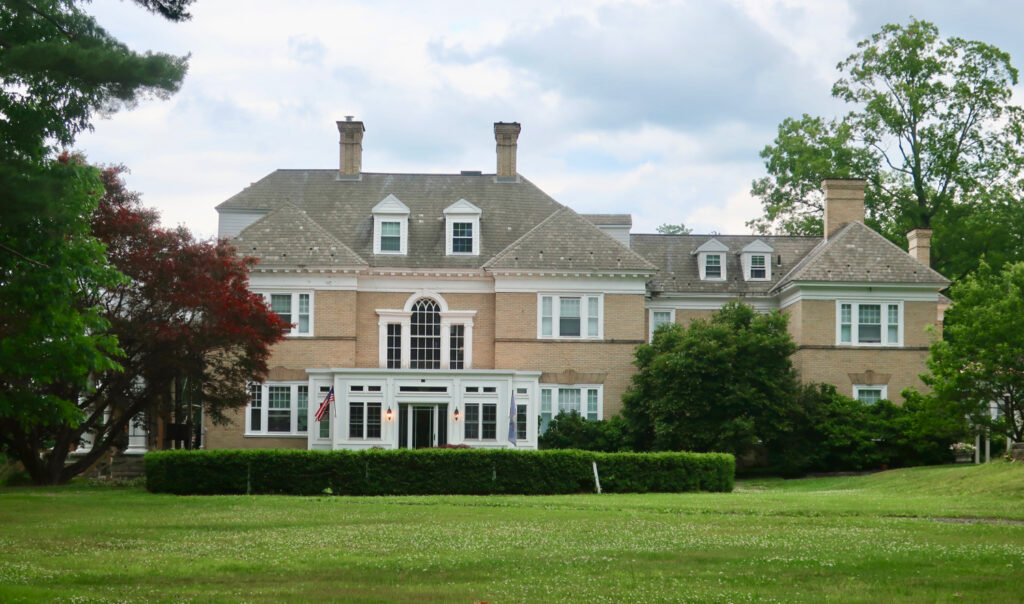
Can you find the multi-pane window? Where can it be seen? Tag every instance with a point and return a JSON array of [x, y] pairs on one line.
[[713, 266], [364, 420], [570, 316], [425, 333], [462, 238], [302, 408], [758, 267], [481, 421], [255, 407], [394, 345], [659, 318], [294, 309], [281, 409], [457, 347], [870, 394], [390, 236], [568, 399], [521, 415], [869, 323]]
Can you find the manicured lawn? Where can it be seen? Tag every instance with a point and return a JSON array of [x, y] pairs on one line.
[[879, 538]]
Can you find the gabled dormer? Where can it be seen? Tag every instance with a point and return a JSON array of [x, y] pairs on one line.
[[711, 260], [756, 258], [462, 229], [391, 227]]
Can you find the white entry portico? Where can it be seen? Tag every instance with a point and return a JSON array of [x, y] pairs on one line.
[[390, 409]]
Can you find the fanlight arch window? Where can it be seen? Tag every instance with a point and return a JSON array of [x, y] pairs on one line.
[[425, 335]]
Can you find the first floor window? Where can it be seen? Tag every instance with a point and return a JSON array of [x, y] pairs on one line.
[[481, 421], [570, 317], [583, 400], [278, 409], [325, 421], [870, 393], [521, 415], [869, 323], [364, 420]]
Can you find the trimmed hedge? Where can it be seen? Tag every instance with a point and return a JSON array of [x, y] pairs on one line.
[[432, 472]]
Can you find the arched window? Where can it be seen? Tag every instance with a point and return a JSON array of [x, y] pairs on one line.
[[425, 335]]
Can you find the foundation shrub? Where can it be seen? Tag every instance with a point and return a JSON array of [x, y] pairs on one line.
[[432, 472]]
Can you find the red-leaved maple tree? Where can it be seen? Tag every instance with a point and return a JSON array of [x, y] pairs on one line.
[[184, 316]]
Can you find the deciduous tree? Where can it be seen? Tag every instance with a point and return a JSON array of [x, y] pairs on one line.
[[933, 129]]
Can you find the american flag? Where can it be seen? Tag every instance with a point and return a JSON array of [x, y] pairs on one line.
[[324, 406]]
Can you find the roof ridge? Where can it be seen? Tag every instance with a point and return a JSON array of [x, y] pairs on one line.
[[507, 249]]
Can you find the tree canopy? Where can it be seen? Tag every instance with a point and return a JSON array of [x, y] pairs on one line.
[[980, 360], [185, 310], [718, 385], [934, 131]]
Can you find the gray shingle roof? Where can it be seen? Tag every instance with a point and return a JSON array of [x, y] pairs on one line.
[[567, 241], [287, 236], [343, 209], [610, 219], [856, 253], [673, 254]]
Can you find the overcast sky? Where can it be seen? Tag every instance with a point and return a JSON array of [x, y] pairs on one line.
[[658, 109]]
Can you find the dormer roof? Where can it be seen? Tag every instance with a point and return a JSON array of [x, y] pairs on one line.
[[391, 205], [462, 208], [711, 245], [757, 246]]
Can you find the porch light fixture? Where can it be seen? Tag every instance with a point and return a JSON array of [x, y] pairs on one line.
[[388, 415], [456, 414]]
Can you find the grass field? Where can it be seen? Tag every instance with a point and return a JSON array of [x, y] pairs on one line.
[[905, 535]]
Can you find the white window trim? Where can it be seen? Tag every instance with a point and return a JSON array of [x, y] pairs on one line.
[[403, 226], [584, 316], [265, 407], [316, 398], [650, 320], [294, 332], [748, 266], [854, 323], [482, 399], [702, 259], [883, 387], [461, 211], [363, 398], [555, 388], [404, 318]]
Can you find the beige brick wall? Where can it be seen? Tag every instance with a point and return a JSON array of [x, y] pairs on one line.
[[232, 436], [902, 366]]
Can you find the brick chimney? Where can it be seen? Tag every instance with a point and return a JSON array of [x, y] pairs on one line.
[[506, 134], [844, 202], [351, 148], [919, 244]]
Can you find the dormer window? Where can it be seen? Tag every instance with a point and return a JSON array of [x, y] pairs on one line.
[[711, 260], [390, 227], [757, 264], [462, 229]]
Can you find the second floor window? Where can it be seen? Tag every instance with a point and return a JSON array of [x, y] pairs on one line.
[[868, 324], [425, 334], [295, 309], [570, 317]]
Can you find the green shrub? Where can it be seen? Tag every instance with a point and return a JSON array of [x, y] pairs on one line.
[[569, 430], [432, 472]]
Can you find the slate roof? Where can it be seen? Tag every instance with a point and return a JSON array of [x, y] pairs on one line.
[[343, 209], [856, 253], [673, 254], [288, 237], [610, 219], [567, 241]]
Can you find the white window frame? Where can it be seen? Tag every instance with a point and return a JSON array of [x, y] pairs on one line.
[[295, 294], [855, 323], [461, 212], [748, 266], [265, 406], [585, 316], [884, 388], [403, 317], [315, 401], [650, 320], [480, 401], [555, 390], [365, 401], [391, 209]]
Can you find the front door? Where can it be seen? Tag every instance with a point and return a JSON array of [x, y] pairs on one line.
[[424, 433]]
